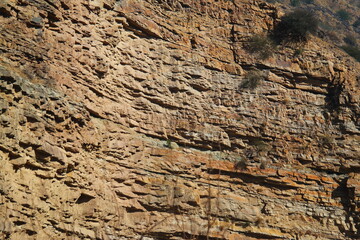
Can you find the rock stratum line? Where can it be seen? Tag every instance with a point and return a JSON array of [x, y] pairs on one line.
[[126, 120]]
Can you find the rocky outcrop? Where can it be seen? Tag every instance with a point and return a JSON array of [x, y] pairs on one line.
[[127, 120]]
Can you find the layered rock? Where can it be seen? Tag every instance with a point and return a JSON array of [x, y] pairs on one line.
[[127, 120]]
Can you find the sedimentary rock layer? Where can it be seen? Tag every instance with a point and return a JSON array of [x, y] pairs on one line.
[[128, 120]]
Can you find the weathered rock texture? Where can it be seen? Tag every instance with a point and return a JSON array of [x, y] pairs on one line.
[[126, 120]]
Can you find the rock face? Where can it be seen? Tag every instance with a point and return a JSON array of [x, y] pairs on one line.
[[128, 120]]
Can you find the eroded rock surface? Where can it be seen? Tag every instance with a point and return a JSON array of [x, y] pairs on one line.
[[127, 120]]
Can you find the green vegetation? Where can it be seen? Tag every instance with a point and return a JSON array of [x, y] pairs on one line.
[[343, 15], [325, 26], [333, 36], [350, 40], [241, 164], [298, 52], [327, 140], [170, 144], [296, 26], [295, 3], [252, 80], [261, 45], [353, 51], [356, 23], [260, 145]]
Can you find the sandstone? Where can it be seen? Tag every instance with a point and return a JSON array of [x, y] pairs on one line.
[[126, 120]]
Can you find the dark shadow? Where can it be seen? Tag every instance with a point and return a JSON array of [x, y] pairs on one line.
[[84, 198], [333, 96], [344, 193]]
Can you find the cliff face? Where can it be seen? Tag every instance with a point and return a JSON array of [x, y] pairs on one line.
[[127, 120]]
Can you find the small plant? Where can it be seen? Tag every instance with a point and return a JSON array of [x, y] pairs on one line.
[[252, 80], [263, 164], [343, 15], [356, 23], [350, 40], [296, 26], [259, 221], [327, 140], [353, 51], [333, 35], [261, 45], [260, 145], [241, 164], [325, 26], [169, 144], [294, 3], [298, 52]]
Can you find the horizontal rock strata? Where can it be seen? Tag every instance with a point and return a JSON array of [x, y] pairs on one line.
[[128, 120]]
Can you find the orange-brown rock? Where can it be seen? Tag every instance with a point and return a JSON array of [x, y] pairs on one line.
[[127, 120]]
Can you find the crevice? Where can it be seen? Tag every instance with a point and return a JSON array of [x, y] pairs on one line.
[[249, 178], [19, 223], [12, 154], [5, 12], [84, 198], [136, 28], [89, 147], [333, 97], [93, 114], [41, 155], [344, 193], [260, 235], [64, 5], [30, 167], [79, 121], [8, 79], [133, 210], [341, 171], [30, 232]]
